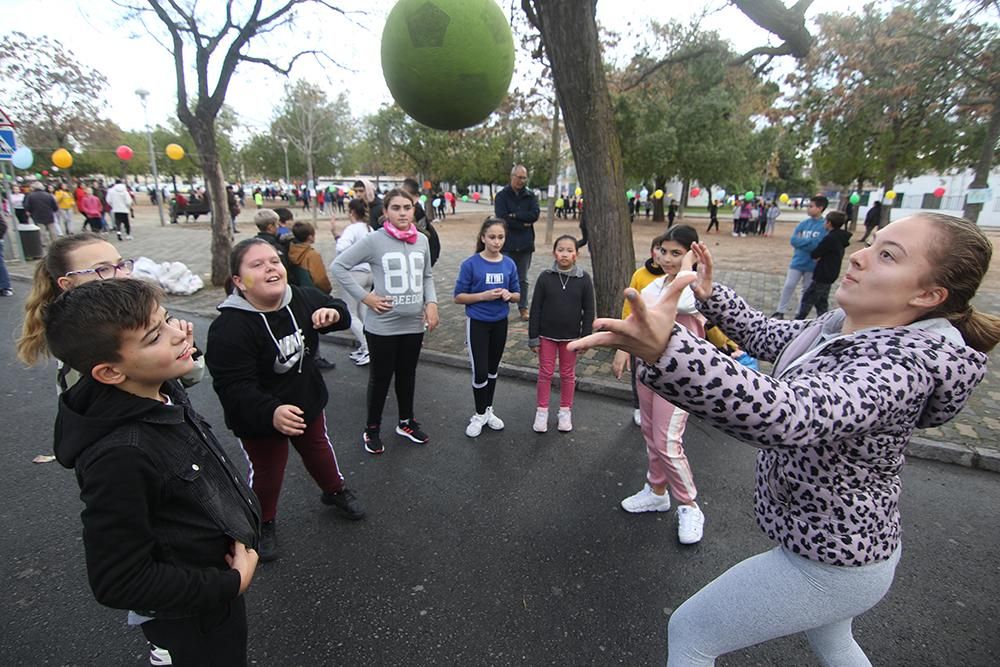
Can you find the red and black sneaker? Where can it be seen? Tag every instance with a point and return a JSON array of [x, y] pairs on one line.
[[411, 429], [373, 441]]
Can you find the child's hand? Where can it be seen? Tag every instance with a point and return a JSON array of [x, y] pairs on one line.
[[534, 348], [621, 363], [244, 561], [324, 317], [491, 294], [431, 318], [505, 294], [288, 420], [185, 326], [702, 287], [380, 304]]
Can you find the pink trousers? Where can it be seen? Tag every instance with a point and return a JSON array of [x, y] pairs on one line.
[[547, 351], [663, 429]]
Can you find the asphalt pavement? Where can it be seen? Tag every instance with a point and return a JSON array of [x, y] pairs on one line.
[[510, 549]]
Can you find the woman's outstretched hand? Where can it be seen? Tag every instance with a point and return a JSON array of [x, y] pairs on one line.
[[647, 330], [700, 255]]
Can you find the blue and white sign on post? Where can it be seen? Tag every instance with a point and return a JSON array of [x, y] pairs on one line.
[[8, 143]]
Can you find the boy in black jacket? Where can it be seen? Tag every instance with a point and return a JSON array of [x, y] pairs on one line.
[[169, 528], [829, 255]]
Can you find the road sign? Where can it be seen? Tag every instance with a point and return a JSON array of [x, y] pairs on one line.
[[8, 143]]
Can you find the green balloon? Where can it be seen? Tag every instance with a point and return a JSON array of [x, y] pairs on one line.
[[423, 199], [465, 197], [630, 194], [447, 63], [748, 195], [855, 198]]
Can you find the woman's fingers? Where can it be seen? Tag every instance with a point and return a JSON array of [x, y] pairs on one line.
[[599, 339]]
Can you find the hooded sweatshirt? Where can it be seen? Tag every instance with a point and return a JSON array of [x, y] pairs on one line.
[[261, 360], [829, 255], [399, 269], [163, 504], [805, 238], [562, 306], [833, 422], [119, 198], [303, 255]]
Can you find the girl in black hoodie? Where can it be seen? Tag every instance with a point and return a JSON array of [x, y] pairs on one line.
[[261, 353]]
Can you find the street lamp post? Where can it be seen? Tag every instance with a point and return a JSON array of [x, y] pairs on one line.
[[143, 94], [288, 180]]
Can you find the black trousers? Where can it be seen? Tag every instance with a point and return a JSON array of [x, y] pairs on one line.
[[486, 341], [214, 639], [123, 219], [392, 356], [713, 222], [817, 294]]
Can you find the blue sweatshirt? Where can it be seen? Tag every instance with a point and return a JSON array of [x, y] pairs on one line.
[[805, 238], [479, 275]]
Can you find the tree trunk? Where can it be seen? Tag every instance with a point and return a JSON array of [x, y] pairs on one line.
[[550, 219], [981, 176], [569, 33], [887, 184], [203, 133], [311, 183], [685, 186], [659, 183]]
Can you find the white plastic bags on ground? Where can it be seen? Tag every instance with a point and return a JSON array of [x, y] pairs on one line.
[[173, 277]]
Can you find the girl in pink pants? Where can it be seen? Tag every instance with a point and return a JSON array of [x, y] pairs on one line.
[[562, 310], [662, 422]]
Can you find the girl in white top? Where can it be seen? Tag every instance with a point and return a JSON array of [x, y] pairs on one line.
[[361, 273]]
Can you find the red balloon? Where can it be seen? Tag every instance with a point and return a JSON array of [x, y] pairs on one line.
[[476, 196], [124, 153], [45, 172], [695, 192], [939, 192]]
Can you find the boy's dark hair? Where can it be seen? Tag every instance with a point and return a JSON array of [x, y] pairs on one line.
[[284, 214], [837, 219], [84, 325], [359, 208], [411, 185], [358, 184], [302, 231], [820, 201]]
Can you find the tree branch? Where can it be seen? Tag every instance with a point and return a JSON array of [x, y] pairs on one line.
[[670, 60], [788, 23]]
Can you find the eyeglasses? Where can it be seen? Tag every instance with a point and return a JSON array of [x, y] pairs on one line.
[[106, 271]]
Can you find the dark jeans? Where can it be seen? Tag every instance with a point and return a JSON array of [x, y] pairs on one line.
[[713, 222], [392, 355], [217, 637], [817, 294], [122, 219], [522, 260], [486, 343]]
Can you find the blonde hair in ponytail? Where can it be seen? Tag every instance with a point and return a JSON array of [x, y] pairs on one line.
[[960, 261], [31, 345]]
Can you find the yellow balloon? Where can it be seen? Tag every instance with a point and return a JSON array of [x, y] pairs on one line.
[[175, 151], [62, 158], [671, 196], [890, 195], [579, 191], [783, 198], [658, 194]]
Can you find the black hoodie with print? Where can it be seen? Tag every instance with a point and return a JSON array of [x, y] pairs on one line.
[[261, 360]]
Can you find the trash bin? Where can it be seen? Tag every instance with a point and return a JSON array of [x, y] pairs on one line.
[[31, 241]]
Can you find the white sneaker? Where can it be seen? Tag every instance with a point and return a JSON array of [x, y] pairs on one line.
[[493, 421], [541, 424], [128, 237], [159, 656], [637, 417], [475, 426], [357, 353], [565, 420], [362, 360], [690, 522], [647, 501]]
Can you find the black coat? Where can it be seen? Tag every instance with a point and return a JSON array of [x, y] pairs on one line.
[[163, 503], [829, 255], [521, 211]]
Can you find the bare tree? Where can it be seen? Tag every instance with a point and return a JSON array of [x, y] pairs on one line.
[[570, 38], [198, 105]]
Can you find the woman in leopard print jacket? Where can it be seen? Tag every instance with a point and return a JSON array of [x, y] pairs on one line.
[[832, 422]]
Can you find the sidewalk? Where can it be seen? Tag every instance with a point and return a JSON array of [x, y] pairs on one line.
[[753, 266]]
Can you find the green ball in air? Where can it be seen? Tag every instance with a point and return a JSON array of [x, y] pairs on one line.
[[447, 63]]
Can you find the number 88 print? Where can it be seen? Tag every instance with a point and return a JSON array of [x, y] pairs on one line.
[[403, 272]]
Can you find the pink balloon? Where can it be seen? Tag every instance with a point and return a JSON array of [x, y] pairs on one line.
[[939, 192], [124, 153], [475, 196], [695, 192]]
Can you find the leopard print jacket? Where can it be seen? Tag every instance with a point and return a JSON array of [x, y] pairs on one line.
[[833, 422]]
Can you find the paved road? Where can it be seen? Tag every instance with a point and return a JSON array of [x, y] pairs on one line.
[[509, 549]]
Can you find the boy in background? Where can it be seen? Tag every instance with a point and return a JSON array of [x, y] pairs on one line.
[[169, 527], [829, 255], [805, 238]]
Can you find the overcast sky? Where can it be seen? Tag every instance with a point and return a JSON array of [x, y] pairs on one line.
[[100, 37]]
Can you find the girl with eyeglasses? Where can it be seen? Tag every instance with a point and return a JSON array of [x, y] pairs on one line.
[[71, 261]]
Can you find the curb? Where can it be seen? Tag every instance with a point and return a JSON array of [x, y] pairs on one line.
[[960, 454]]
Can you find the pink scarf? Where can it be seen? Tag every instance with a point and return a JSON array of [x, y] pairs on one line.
[[408, 235]]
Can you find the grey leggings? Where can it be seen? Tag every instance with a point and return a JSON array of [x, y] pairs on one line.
[[775, 594]]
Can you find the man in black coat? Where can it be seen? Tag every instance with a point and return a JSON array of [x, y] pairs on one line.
[[518, 206]]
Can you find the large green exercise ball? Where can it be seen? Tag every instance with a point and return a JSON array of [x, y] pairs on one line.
[[447, 63]]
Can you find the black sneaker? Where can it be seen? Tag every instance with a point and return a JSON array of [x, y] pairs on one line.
[[346, 502], [324, 365], [373, 441], [411, 429], [268, 547]]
